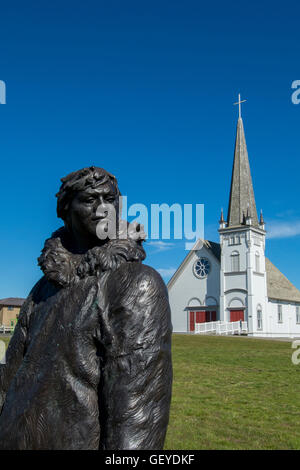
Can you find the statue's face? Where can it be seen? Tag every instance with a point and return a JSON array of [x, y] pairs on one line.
[[87, 209]]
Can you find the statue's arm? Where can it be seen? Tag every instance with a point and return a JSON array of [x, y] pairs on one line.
[[16, 350], [137, 373]]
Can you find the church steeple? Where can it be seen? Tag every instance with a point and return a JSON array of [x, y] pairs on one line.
[[243, 282], [241, 200]]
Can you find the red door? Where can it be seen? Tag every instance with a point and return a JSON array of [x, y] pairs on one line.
[[192, 321], [200, 317], [236, 315], [214, 316]]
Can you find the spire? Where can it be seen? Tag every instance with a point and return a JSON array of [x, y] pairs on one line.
[[222, 222], [241, 201], [248, 219], [261, 221], [222, 216]]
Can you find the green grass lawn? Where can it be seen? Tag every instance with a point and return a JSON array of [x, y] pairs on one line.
[[233, 393]]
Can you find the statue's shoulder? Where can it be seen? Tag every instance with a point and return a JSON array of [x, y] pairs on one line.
[[140, 278], [41, 291], [32, 299], [145, 272]]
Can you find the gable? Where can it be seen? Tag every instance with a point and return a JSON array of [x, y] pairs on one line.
[[210, 250]]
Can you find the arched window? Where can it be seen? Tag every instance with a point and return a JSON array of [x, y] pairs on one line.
[[297, 314], [279, 313], [259, 318], [257, 263], [235, 261]]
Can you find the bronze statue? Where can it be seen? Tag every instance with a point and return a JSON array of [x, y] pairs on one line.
[[89, 364]]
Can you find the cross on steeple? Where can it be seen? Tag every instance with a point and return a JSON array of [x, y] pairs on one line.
[[239, 103]]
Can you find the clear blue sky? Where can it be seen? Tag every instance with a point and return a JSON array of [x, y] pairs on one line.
[[145, 90]]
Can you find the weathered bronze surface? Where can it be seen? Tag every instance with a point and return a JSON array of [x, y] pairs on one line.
[[89, 364]]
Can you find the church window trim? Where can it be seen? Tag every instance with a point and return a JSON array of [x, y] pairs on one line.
[[259, 317], [194, 302], [235, 240], [231, 240], [257, 262], [208, 303], [202, 268], [279, 313], [235, 261], [297, 314], [236, 299]]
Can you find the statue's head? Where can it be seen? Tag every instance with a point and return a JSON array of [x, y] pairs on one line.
[[80, 198]]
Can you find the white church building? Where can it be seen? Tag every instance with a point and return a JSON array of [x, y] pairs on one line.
[[233, 281]]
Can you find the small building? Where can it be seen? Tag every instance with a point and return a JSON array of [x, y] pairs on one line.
[[233, 281], [9, 310]]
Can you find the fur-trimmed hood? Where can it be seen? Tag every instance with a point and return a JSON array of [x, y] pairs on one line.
[[63, 267]]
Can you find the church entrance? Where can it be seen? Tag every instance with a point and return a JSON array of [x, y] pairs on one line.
[[210, 315], [201, 316], [236, 315]]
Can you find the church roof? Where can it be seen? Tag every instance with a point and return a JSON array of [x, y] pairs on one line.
[[241, 200], [214, 247], [278, 286]]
